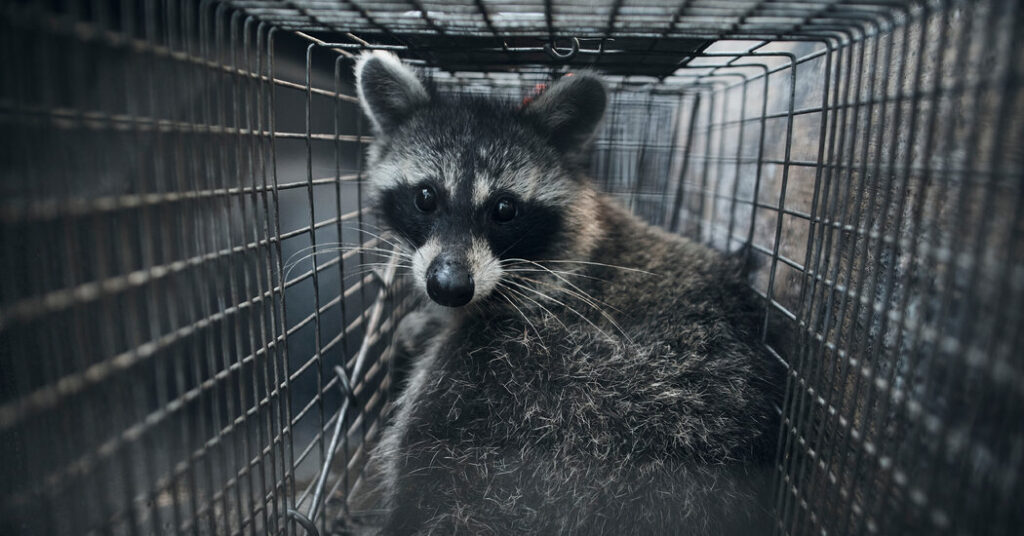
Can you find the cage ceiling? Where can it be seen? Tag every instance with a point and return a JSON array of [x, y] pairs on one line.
[[616, 37]]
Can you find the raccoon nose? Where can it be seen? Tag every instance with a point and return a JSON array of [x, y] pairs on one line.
[[449, 282]]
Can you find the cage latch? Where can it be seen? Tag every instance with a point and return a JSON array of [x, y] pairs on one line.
[[562, 56]]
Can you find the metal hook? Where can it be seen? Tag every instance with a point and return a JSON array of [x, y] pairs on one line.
[[303, 522], [308, 521], [558, 56]]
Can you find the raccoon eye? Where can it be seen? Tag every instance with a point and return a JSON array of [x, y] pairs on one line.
[[426, 199], [504, 210]]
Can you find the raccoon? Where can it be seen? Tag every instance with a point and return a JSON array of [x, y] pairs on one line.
[[579, 372]]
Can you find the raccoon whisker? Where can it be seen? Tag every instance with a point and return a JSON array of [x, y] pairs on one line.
[[383, 231], [395, 248], [381, 252], [347, 244], [401, 257], [498, 291], [589, 300], [576, 293], [341, 246], [333, 245], [362, 273], [399, 264], [371, 245], [311, 247], [365, 272], [378, 236], [583, 296], [567, 282], [561, 272], [369, 224], [588, 263], [519, 293], [559, 275], [538, 304], [377, 271], [402, 262], [376, 266], [291, 265], [556, 301]]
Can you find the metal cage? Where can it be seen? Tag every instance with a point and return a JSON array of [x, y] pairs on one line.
[[196, 304]]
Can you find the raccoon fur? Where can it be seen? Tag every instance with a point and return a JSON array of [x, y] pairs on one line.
[[580, 372]]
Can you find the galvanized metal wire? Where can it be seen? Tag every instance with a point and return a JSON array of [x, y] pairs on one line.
[[187, 255]]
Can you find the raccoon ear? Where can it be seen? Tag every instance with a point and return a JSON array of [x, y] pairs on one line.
[[570, 110], [388, 90]]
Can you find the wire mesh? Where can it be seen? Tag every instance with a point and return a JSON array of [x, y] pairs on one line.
[[167, 349], [186, 242]]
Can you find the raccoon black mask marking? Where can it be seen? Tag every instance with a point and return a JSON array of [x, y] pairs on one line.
[[577, 371], [500, 183]]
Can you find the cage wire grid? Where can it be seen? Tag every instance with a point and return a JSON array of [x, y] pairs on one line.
[[188, 257]]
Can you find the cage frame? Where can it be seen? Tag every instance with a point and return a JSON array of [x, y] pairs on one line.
[[235, 41]]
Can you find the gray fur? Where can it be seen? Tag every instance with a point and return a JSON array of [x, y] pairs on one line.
[[396, 90], [622, 392]]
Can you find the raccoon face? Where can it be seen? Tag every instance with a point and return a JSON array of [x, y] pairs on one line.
[[475, 187]]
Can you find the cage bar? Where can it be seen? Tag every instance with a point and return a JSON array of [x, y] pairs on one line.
[[188, 251]]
